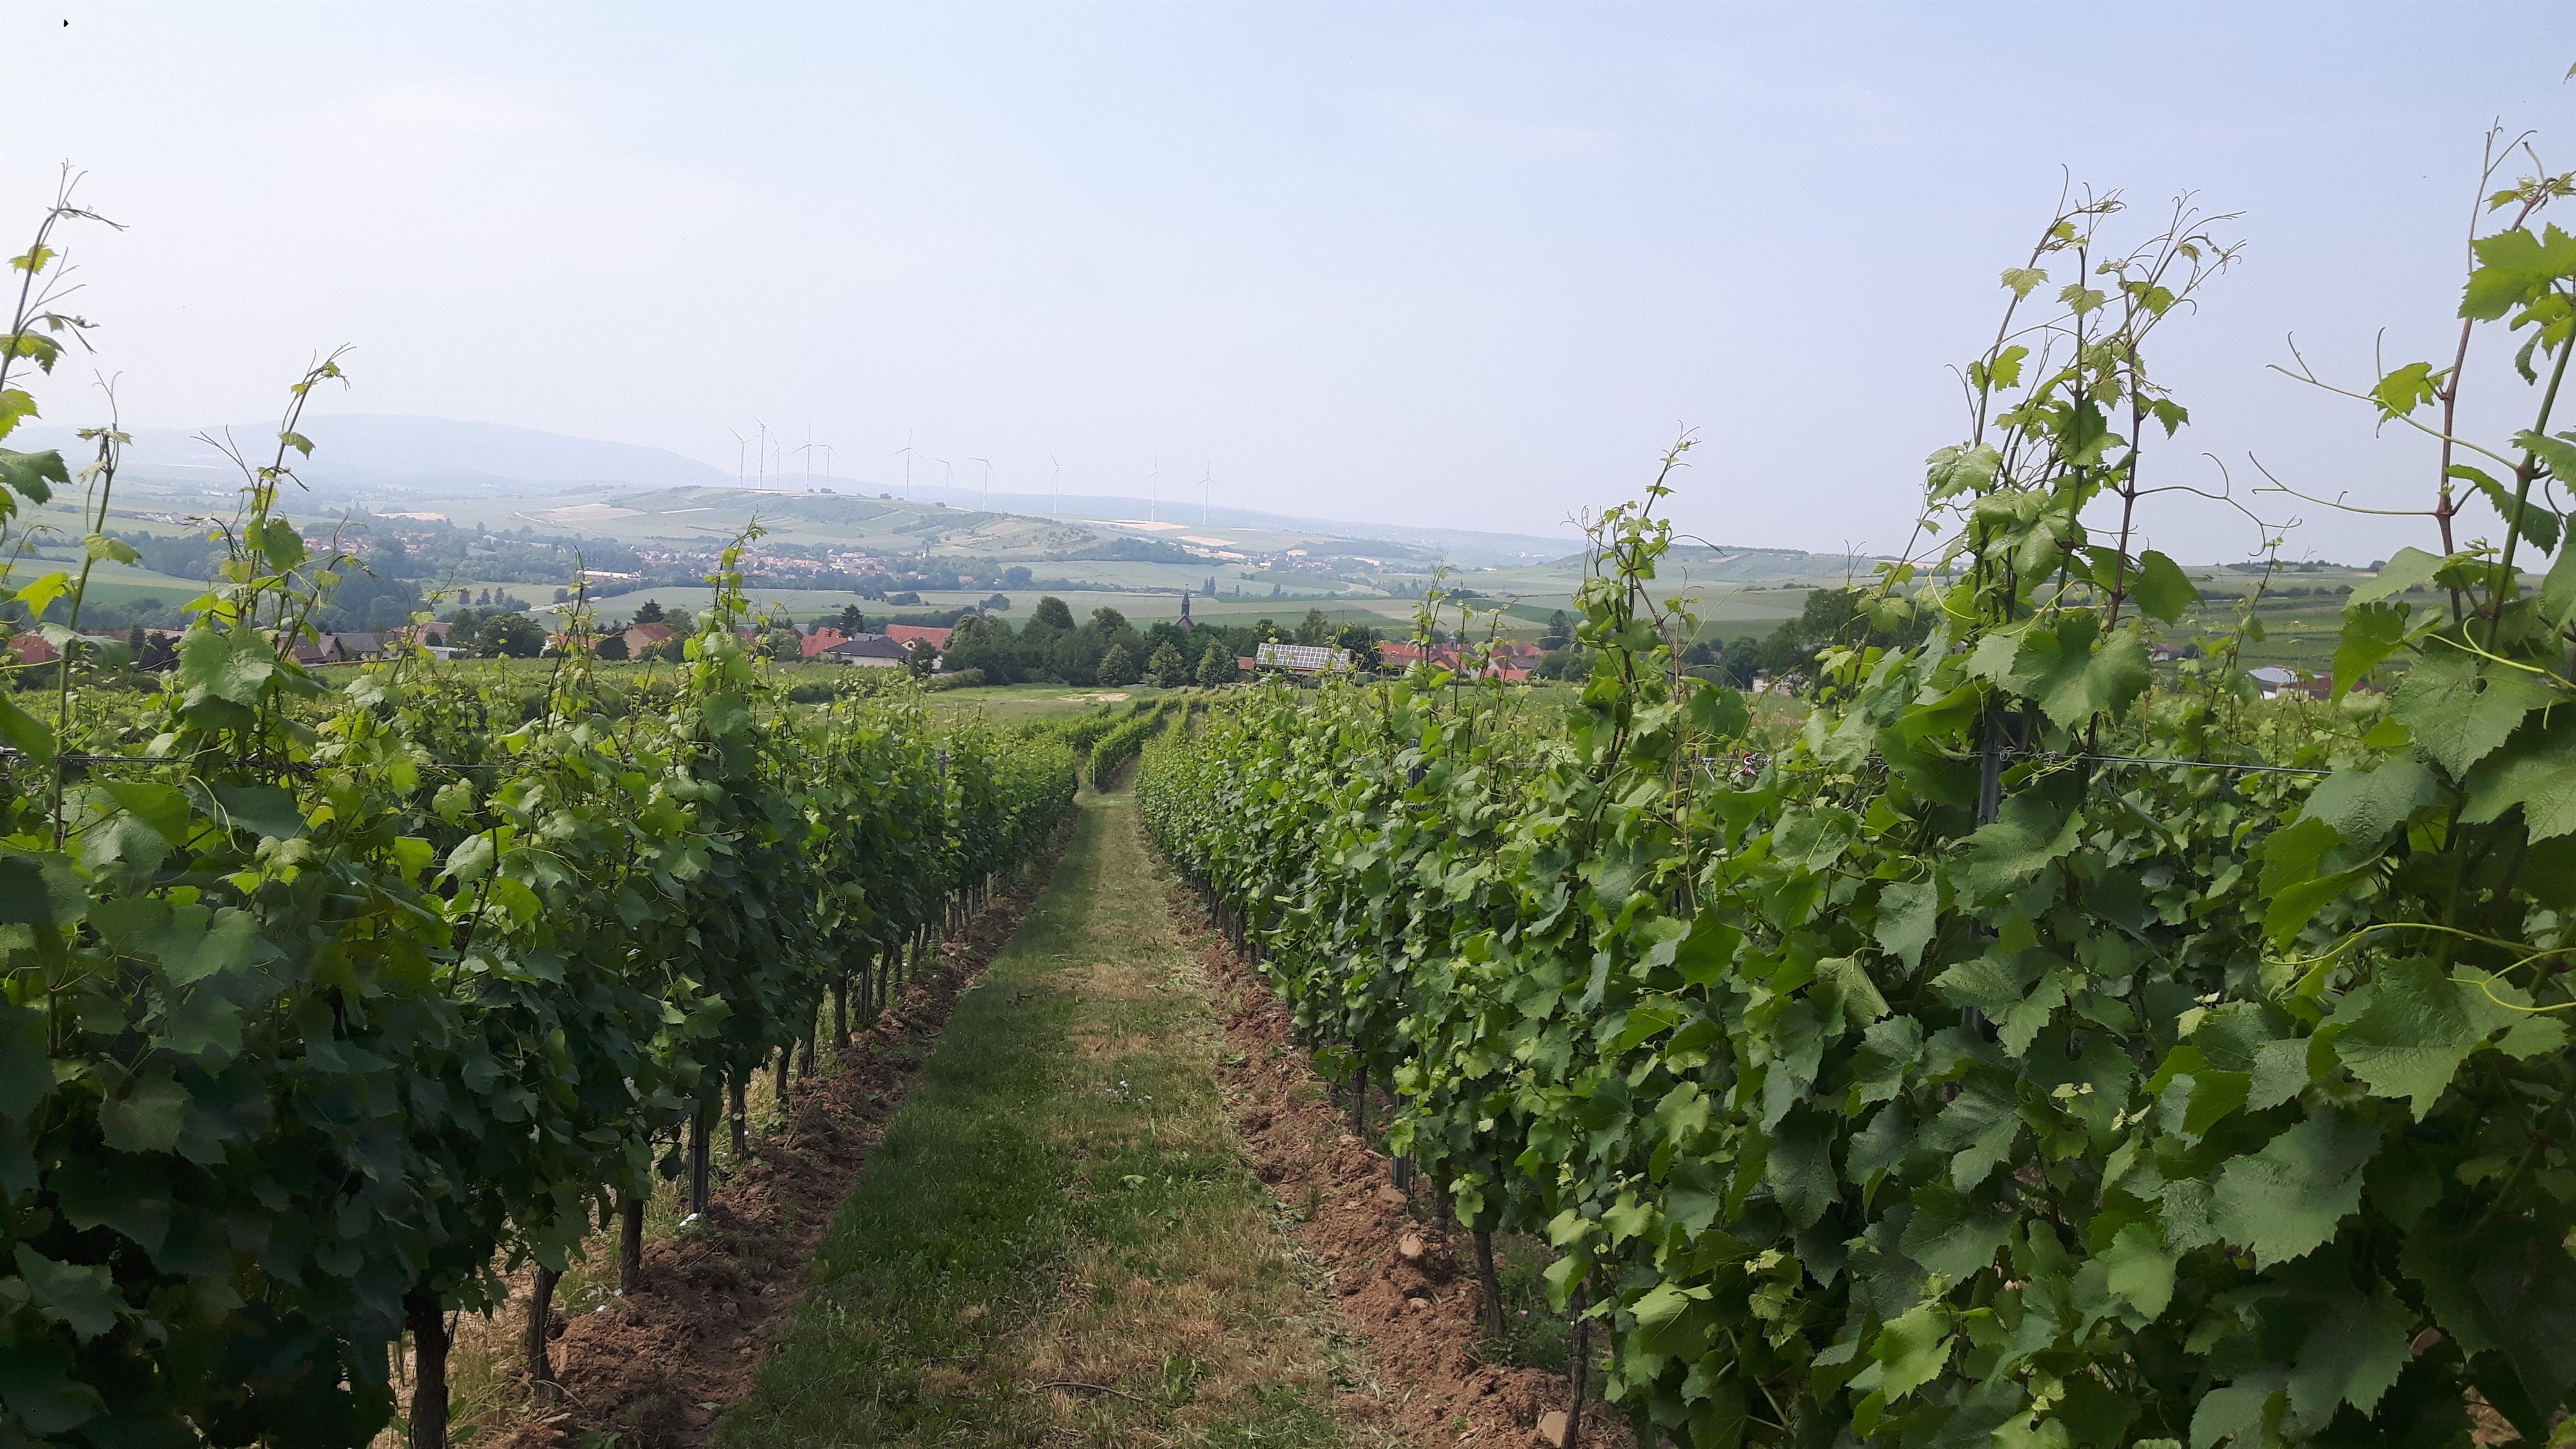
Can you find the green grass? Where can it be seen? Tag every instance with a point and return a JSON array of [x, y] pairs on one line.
[[1019, 703], [1534, 1335], [1060, 1202]]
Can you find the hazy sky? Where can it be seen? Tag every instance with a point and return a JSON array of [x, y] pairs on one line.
[[1423, 263]]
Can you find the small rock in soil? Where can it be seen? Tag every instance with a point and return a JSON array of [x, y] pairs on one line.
[[1391, 1196], [1551, 1428], [1409, 1247]]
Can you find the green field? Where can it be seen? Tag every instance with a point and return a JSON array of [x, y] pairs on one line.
[[1020, 703]]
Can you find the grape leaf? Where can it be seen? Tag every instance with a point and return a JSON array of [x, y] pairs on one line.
[[1908, 914], [2162, 590], [2558, 590], [205, 1025], [42, 594], [26, 1073], [2362, 806], [2246, 1411], [2514, 268], [2526, 1288], [1979, 1126], [2061, 670], [2353, 1352], [2286, 1200], [1950, 1235], [2295, 878], [102, 546], [36, 1386], [2371, 632], [192, 942], [34, 475], [33, 737], [81, 1297], [2140, 1268], [230, 665], [2001, 857], [146, 1116], [2406, 1031], [2537, 771], [117, 1193], [2458, 714], [1888, 1049], [1912, 1347], [2410, 567], [2527, 516], [1800, 1168], [263, 810], [2404, 390], [40, 890], [1959, 469]]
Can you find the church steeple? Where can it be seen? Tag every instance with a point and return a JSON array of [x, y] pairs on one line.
[[1185, 611]]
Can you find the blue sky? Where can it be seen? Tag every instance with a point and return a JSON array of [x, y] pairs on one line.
[[1416, 263]]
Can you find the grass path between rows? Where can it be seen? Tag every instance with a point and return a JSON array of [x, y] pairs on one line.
[[1059, 1241]]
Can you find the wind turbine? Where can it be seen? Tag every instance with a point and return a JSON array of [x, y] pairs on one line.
[[988, 481], [763, 454], [1154, 488], [741, 450], [1057, 484], [905, 453], [1207, 486], [808, 451], [947, 474]]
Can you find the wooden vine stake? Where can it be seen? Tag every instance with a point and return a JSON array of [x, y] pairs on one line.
[[429, 1370], [701, 1127], [1489, 1283], [541, 1299], [630, 1244], [1579, 1369]]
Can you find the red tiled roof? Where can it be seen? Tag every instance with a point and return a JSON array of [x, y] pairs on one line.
[[906, 633]]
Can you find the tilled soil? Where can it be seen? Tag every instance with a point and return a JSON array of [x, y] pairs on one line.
[[1417, 1315], [657, 1368]]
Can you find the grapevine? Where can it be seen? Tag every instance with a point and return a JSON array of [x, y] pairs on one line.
[[2032, 1044], [330, 1001]]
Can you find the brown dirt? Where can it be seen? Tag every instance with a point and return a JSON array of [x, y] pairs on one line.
[[658, 1367], [1418, 1317]]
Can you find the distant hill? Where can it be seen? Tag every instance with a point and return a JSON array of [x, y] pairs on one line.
[[1465, 545], [1717, 564], [373, 459]]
